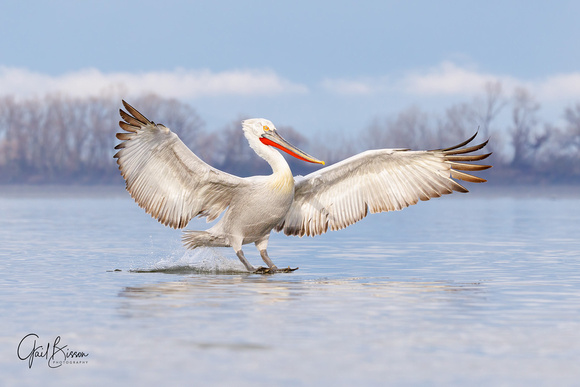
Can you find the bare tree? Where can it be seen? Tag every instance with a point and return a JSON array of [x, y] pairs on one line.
[[409, 129], [524, 137], [572, 132], [181, 118], [459, 122], [569, 143], [334, 147], [59, 138], [489, 107]]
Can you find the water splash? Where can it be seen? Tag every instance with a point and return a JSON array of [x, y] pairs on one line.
[[201, 260]]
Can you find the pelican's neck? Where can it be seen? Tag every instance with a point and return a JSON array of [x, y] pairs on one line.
[[271, 155], [277, 162], [281, 179]]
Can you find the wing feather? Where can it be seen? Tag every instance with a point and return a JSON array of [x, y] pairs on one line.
[[130, 119], [166, 178], [377, 181]]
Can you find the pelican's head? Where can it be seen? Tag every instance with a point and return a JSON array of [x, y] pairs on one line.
[[262, 133]]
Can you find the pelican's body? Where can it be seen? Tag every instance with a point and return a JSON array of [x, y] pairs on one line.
[[172, 184], [250, 218]]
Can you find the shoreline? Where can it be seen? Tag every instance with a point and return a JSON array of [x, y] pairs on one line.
[[12, 191]]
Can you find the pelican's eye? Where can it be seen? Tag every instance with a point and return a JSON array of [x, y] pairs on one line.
[[266, 128]]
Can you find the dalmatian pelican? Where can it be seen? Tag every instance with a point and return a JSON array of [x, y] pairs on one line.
[[173, 185]]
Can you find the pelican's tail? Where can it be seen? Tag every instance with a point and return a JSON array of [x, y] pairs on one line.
[[194, 239]]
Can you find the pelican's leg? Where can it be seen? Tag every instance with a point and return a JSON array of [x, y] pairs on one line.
[[247, 264], [261, 245], [267, 260]]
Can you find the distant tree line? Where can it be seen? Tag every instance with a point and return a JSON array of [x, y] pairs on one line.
[[63, 139], [525, 149]]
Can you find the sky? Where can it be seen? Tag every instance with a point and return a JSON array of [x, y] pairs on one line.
[[323, 66]]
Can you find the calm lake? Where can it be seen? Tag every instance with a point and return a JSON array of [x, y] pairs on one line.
[[476, 289]]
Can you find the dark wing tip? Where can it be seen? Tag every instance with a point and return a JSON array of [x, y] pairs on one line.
[[461, 144], [455, 151], [135, 113], [456, 156], [128, 127]]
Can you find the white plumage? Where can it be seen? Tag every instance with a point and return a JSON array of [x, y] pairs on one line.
[[173, 185]]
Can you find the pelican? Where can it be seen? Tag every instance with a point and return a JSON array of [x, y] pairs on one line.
[[173, 185]]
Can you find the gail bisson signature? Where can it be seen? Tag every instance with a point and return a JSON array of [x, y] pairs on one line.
[[53, 352]]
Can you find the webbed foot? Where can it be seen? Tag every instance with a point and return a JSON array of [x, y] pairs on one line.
[[273, 269], [264, 270], [287, 269]]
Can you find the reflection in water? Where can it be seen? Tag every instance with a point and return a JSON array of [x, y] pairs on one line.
[[265, 286], [236, 292]]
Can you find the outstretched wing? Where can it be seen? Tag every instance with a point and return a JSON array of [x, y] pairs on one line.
[[376, 181], [166, 178]]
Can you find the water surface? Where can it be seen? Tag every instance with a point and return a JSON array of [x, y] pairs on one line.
[[478, 289]]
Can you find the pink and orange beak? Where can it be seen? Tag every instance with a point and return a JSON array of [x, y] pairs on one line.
[[272, 138]]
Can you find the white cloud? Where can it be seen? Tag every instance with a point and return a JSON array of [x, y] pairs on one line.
[[445, 80], [180, 83], [558, 86], [358, 87], [451, 80]]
